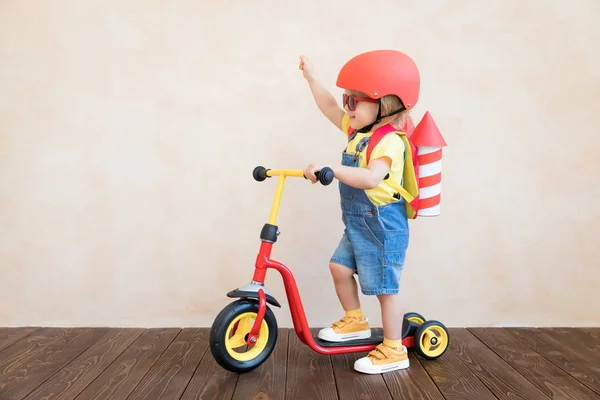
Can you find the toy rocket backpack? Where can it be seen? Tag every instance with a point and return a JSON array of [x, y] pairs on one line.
[[382, 73]]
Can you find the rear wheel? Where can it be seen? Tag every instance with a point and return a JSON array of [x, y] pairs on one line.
[[230, 331], [415, 317], [431, 340]]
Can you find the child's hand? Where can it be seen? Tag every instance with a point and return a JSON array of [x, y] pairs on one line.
[[306, 68], [309, 172]]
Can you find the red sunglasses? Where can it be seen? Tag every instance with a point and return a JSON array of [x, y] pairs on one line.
[[350, 101]]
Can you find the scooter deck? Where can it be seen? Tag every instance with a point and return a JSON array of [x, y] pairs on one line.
[[376, 338], [408, 329]]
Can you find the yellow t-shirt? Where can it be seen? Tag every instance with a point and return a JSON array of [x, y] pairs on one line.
[[391, 146]]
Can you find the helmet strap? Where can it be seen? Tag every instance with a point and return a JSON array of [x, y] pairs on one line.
[[367, 128]]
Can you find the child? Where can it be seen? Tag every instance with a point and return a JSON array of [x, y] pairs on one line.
[[380, 88]]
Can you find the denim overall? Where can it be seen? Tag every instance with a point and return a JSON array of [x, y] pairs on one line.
[[375, 238]]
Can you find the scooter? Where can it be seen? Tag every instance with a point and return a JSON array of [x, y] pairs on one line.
[[244, 333]]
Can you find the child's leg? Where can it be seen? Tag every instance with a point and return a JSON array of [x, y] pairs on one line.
[[345, 286], [391, 318], [353, 325], [391, 354]]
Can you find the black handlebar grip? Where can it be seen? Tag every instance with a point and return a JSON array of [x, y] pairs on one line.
[[325, 176], [260, 173]]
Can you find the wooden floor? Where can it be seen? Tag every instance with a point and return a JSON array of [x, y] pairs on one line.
[[103, 363]]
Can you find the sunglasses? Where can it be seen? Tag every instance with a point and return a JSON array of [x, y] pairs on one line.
[[350, 101]]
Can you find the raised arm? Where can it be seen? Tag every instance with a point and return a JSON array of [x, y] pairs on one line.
[[325, 100]]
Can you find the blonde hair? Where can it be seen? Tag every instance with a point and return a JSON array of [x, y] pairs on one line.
[[389, 104]]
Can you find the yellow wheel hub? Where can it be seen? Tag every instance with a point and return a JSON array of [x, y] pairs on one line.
[[237, 334], [416, 320], [433, 341]]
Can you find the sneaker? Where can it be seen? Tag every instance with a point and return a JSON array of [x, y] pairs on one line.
[[347, 328], [382, 359]]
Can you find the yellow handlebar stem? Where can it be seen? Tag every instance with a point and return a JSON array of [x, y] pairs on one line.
[[282, 173]]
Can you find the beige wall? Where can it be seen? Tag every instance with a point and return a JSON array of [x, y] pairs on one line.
[[129, 131]]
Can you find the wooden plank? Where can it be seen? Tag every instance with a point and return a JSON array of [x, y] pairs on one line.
[[547, 377], [169, 377], [211, 381], [72, 379], [122, 376], [268, 380], [412, 383], [309, 374], [9, 336], [353, 385], [593, 332], [564, 352], [32, 345], [454, 379], [500, 378], [31, 361], [577, 340]]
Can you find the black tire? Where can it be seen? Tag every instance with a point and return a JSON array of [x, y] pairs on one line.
[[431, 351], [414, 315], [219, 330]]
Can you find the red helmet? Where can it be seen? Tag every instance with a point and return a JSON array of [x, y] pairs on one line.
[[381, 73]]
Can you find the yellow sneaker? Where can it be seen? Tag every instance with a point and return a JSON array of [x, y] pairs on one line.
[[347, 328], [382, 359]]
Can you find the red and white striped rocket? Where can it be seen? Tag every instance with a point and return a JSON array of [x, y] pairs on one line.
[[429, 142]]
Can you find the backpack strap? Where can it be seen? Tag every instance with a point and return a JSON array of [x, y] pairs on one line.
[[376, 138], [351, 134], [410, 175]]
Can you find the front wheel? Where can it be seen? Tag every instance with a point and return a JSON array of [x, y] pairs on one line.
[[230, 331]]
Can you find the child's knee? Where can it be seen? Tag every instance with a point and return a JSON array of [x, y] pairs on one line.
[[388, 298], [339, 272]]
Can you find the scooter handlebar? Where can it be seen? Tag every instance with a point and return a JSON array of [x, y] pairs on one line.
[[325, 175], [260, 174]]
